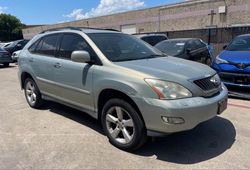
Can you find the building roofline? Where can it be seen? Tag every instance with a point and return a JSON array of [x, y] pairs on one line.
[[160, 7]]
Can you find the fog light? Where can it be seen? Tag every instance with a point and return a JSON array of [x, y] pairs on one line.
[[173, 120]]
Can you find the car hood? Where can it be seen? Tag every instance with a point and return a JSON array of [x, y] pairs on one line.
[[236, 56], [169, 68]]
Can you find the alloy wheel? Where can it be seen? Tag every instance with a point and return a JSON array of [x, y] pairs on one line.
[[120, 125], [30, 93]]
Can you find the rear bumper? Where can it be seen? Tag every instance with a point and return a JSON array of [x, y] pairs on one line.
[[192, 110]]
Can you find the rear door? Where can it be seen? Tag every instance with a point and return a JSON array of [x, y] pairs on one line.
[[41, 59], [74, 80]]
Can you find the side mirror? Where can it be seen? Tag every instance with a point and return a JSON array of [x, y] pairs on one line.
[[80, 57], [224, 47]]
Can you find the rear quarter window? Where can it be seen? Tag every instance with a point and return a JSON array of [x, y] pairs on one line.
[[32, 48], [47, 45]]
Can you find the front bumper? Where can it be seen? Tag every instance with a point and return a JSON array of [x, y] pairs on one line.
[[236, 80], [5, 60], [192, 110]]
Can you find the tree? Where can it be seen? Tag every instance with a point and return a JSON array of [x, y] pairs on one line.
[[10, 28]]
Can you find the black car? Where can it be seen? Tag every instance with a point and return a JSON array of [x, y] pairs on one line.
[[15, 46], [152, 39], [5, 57], [189, 48]]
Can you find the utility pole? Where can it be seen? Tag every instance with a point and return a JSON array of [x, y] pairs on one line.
[[211, 14]]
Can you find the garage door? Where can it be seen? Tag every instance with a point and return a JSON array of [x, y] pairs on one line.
[[128, 29]]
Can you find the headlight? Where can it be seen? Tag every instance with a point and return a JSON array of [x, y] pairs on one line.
[[220, 61], [168, 90]]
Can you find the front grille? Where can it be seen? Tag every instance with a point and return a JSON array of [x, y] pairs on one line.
[[5, 56], [206, 84], [235, 78]]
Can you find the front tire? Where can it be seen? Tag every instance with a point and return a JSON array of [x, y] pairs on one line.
[[32, 94], [6, 64], [123, 125]]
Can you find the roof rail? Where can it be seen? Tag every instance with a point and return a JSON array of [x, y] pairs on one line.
[[75, 28], [59, 29]]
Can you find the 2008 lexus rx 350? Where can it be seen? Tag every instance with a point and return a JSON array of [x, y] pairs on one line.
[[134, 89]]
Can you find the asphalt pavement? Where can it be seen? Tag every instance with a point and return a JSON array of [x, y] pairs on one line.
[[58, 137]]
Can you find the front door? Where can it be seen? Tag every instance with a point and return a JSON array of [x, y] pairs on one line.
[[74, 80]]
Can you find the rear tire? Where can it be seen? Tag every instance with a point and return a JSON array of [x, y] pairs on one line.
[[123, 125], [32, 94]]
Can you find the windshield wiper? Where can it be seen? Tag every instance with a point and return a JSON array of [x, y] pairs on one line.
[[153, 56], [147, 57]]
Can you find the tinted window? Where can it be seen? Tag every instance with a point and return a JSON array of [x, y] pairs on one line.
[[32, 48], [23, 43], [199, 44], [47, 45], [153, 40], [240, 44], [122, 47], [172, 48], [73, 42], [203, 44], [191, 45]]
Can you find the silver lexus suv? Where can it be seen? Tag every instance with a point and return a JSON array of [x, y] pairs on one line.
[[133, 89]]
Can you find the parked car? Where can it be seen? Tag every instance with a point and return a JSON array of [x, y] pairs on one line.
[[14, 56], [3, 44], [15, 46], [187, 48], [5, 58], [233, 66], [132, 88], [152, 39]]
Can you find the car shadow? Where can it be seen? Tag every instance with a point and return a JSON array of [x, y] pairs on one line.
[[208, 140], [73, 114], [10, 66]]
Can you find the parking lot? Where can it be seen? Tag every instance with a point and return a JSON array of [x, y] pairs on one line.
[[58, 137]]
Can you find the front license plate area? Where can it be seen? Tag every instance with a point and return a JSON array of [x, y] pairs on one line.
[[241, 80], [222, 106]]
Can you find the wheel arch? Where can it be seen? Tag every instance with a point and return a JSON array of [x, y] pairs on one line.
[[24, 76], [109, 93]]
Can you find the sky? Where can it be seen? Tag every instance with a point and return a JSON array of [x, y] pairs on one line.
[[32, 12]]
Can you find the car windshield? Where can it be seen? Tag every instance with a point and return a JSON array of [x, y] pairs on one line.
[[172, 48], [122, 47], [240, 44]]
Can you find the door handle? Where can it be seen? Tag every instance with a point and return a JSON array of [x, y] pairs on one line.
[[57, 65]]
